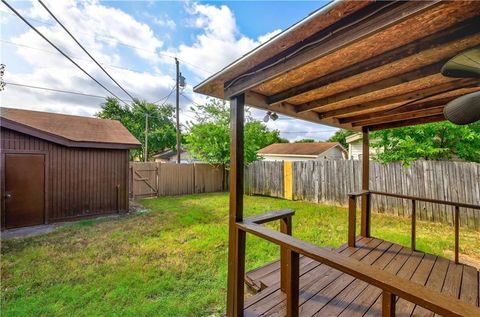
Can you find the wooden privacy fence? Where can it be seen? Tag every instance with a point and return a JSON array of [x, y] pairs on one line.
[[148, 179], [331, 181]]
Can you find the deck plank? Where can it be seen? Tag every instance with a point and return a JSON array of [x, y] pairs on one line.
[[404, 307], [324, 295], [306, 275], [435, 282], [369, 294], [453, 281], [276, 301], [406, 272], [469, 291], [336, 305], [368, 254], [325, 291]]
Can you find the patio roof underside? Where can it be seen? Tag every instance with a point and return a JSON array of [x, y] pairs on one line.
[[359, 64]]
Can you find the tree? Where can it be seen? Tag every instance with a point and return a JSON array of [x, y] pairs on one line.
[[161, 129], [341, 137], [433, 141], [305, 141], [209, 138]]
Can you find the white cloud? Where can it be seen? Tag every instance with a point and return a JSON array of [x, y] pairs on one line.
[[165, 22], [102, 30], [263, 38], [219, 42], [94, 25]]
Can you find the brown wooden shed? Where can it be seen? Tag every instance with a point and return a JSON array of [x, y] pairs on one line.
[[57, 167]]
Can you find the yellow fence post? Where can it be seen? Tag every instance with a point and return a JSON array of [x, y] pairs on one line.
[[287, 180]]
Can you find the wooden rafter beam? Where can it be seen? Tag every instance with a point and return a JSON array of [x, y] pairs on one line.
[[375, 18], [260, 101], [400, 109], [405, 97], [399, 117], [375, 86], [404, 123], [444, 37]]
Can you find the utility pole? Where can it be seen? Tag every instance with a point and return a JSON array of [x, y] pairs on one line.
[[145, 150], [178, 109]]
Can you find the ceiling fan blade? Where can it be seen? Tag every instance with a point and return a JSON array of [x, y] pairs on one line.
[[464, 109], [463, 65]]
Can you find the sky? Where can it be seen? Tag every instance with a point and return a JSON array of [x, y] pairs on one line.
[[136, 42]]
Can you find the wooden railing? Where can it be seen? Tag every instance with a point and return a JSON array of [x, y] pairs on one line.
[[352, 207], [391, 285]]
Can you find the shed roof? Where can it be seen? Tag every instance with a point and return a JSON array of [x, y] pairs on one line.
[[69, 130], [356, 64], [314, 148]]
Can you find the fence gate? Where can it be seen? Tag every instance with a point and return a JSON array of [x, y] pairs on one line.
[[148, 179], [143, 179]]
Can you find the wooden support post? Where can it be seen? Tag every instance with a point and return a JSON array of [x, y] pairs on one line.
[[352, 210], [236, 237], [285, 227], [457, 232], [414, 225], [292, 283], [388, 304], [365, 185]]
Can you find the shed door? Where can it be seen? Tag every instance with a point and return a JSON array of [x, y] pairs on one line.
[[24, 190]]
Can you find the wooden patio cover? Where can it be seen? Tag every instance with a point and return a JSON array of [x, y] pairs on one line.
[[358, 64]]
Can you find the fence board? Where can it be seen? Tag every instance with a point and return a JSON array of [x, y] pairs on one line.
[[148, 179], [330, 181]]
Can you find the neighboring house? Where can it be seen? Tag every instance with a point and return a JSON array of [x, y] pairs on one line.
[[303, 151], [57, 167], [355, 147], [170, 156]]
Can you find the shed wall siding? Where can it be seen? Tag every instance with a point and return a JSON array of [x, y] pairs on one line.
[[80, 181]]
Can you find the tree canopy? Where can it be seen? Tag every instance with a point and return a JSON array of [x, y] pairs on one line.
[[433, 141], [209, 138], [305, 141], [341, 137], [161, 128]]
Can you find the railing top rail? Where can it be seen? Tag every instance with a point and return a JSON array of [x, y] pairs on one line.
[[270, 216], [418, 294], [430, 200]]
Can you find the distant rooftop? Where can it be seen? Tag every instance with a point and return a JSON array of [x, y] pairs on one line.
[[315, 148]]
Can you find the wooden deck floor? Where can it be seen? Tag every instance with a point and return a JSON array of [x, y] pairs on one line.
[[327, 292]]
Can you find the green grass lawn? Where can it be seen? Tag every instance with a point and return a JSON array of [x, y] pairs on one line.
[[171, 260]]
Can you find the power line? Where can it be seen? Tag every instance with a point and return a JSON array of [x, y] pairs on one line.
[[84, 49], [58, 49], [165, 99], [75, 57], [108, 38], [55, 90]]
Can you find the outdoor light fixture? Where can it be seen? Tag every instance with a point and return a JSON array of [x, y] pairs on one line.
[[464, 109], [270, 115]]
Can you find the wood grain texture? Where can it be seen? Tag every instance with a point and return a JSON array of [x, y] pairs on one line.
[[80, 182]]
